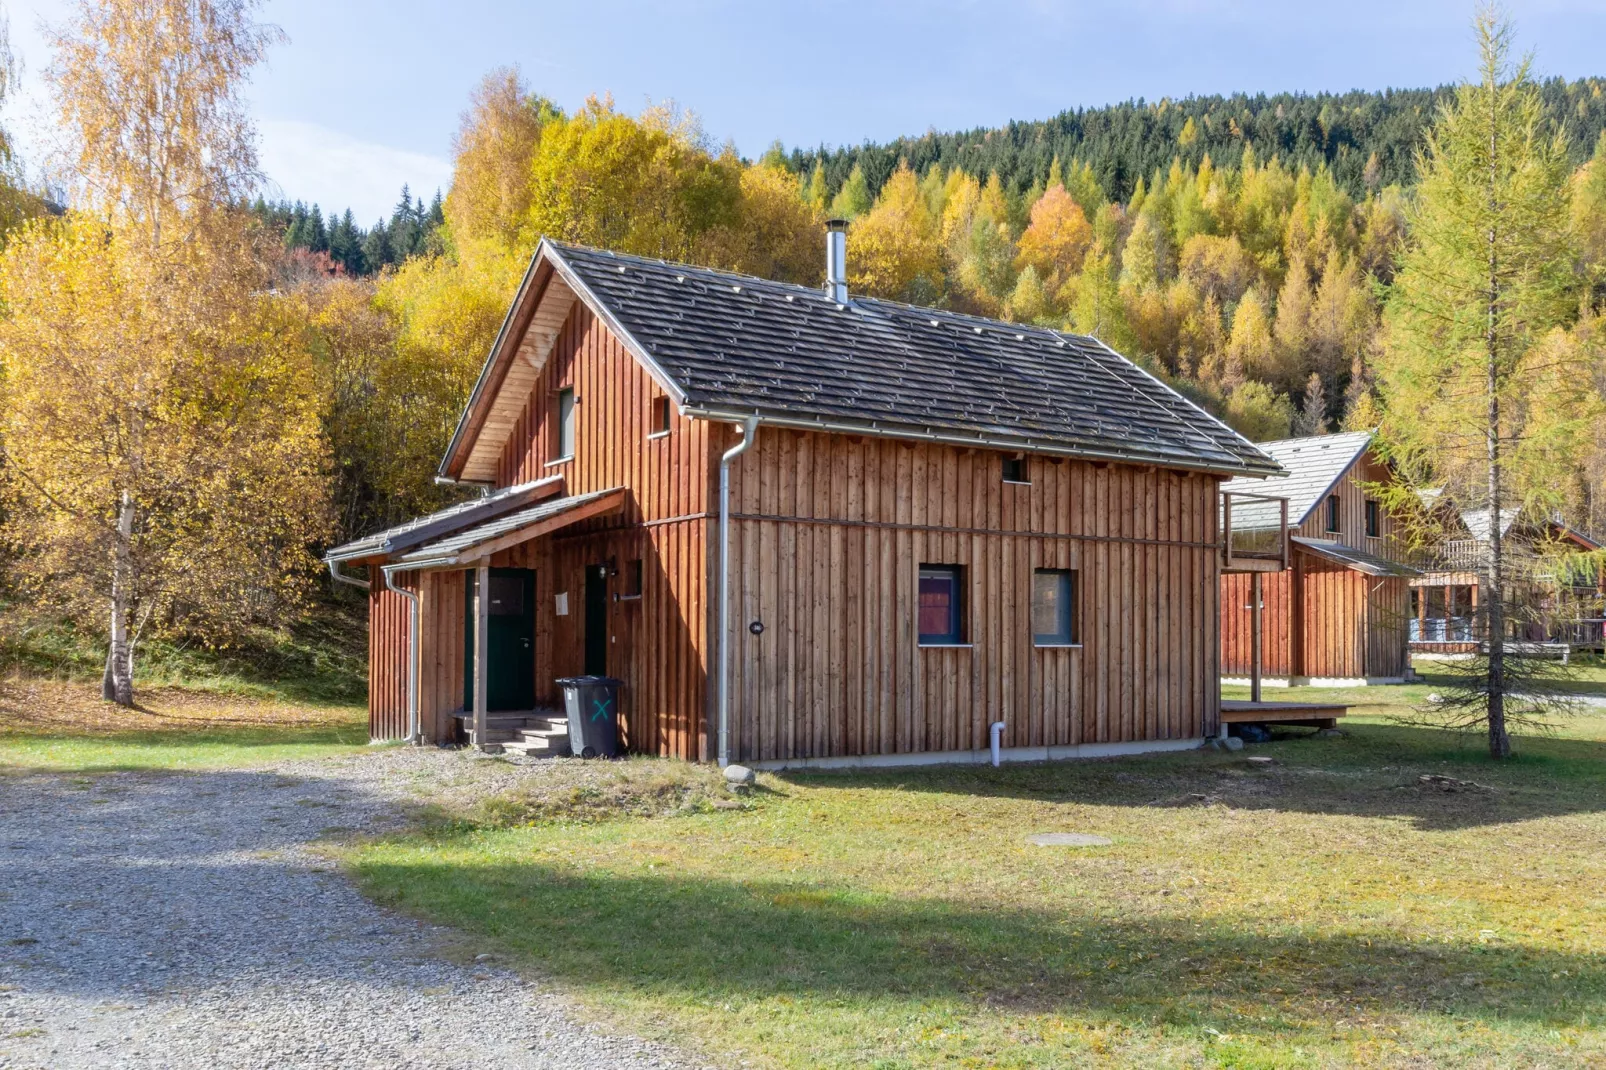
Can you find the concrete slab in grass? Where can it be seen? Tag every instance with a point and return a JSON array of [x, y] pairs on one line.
[[1068, 839]]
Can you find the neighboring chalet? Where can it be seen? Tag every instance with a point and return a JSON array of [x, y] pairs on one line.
[[1548, 606], [1336, 616], [936, 523]]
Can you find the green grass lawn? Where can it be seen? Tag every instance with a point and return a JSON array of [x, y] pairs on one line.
[[1327, 910], [64, 726]]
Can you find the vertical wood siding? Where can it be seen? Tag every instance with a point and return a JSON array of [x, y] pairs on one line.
[[827, 539], [1277, 621], [826, 555], [388, 628], [659, 642], [1321, 618], [1352, 512]]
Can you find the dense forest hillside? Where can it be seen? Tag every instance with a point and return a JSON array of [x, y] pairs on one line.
[[1367, 139], [356, 251]]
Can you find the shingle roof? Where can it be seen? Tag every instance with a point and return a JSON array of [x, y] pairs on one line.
[[1359, 560], [1313, 465], [446, 550], [732, 345], [442, 522]]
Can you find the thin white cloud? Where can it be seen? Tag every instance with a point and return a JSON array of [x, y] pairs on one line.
[[308, 162]]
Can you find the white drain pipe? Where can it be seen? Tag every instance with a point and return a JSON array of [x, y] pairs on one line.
[[749, 435], [997, 733]]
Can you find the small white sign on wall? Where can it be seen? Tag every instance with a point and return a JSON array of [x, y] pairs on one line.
[[563, 603]]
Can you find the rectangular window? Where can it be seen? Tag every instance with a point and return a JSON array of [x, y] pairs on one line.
[[660, 416], [1374, 520], [1332, 513], [632, 581], [941, 605], [565, 417], [1015, 470], [507, 596], [1054, 607]]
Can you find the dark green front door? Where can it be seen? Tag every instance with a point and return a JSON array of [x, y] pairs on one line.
[[596, 622], [510, 647]]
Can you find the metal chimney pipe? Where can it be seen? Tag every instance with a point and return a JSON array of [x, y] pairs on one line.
[[836, 260]]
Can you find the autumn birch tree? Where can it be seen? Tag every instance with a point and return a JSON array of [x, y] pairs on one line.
[[160, 419], [1484, 393]]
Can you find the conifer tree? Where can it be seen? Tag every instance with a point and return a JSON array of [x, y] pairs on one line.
[[1312, 418], [1473, 343]]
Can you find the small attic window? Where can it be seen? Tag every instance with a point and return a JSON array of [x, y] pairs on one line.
[[1015, 470], [659, 416], [564, 412]]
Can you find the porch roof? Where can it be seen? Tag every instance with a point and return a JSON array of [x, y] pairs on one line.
[[1359, 560], [420, 530], [473, 544]]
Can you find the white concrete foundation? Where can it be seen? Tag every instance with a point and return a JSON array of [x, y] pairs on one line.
[[1315, 681], [985, 757]]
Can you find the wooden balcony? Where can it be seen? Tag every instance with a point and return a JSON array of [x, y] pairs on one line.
[[1254, 533]]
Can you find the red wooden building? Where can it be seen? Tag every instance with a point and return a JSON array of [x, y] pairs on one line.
[[935, 524], [1338, 614]]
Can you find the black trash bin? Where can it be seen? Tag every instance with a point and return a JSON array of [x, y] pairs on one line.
[[592, 703]]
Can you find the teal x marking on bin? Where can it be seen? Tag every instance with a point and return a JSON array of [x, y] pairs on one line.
[[601, 705]]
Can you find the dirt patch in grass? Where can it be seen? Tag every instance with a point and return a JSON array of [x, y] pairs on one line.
[[63, 708], [595, 791]]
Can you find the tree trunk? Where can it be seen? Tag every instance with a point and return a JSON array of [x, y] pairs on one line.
[[117, 685], [1494, 573], [1494, 582]]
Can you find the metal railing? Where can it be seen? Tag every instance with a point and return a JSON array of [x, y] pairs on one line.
[[1520, 562]]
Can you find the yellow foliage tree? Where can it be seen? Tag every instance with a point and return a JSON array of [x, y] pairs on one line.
[[160, 422], [895, 248], [606, 179], [492, 181], [777, 232], [1057, 238], [164, 456]]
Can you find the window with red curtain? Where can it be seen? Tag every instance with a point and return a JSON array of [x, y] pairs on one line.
[[941, 619]]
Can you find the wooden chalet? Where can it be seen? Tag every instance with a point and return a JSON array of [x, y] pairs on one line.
[[806, 528], [1549, 606], [1337, 614]]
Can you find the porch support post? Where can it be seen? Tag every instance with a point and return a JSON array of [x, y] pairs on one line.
[[482, 621], [1254, 636]]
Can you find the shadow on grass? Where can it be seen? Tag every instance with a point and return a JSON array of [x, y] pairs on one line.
[[735, 942], [1373, 771]]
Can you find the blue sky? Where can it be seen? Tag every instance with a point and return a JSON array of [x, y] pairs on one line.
[[366, 94]]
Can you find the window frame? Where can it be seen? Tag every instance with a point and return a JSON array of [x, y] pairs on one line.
[[1070, 593], [956, 635], [1334, 516], [660, 417], [1022, 474], [634, 577], [565, 433], [1374, 519]]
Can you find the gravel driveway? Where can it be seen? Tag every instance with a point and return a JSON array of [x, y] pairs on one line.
[[176, 920]]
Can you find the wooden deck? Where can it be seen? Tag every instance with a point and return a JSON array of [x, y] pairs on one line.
[[1310, 714]]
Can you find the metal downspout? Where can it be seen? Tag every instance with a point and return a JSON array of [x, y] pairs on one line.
[[412, 650], [340, 577], [749, 435]]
